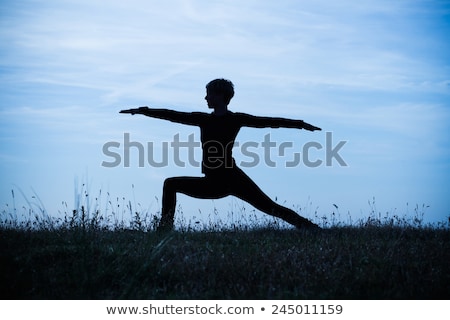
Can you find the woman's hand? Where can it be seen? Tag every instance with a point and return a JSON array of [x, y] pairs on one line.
[[309, 127], [134, 111]]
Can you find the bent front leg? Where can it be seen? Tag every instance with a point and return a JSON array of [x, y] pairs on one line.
[[169, 199], [197, 187]]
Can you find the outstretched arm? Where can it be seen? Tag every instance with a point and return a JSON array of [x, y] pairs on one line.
[[166, 114], [270, 122]]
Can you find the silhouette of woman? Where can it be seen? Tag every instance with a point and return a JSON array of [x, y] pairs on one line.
[[218, 131]]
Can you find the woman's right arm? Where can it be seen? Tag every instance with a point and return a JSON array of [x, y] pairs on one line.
[[189, 118]]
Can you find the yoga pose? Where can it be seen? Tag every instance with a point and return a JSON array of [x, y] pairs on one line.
[[218, 131]]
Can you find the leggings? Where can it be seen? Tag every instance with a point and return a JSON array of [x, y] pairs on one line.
[[230, 181]]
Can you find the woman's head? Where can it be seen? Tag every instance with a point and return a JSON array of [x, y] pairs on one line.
[[222, 87]]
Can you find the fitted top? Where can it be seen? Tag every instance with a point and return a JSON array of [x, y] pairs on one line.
[[218, 132]]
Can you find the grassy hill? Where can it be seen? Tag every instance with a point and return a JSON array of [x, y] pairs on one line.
[[87, 261]]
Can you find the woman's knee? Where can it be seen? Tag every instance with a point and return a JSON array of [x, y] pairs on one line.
[[170, 184], [180, 184]]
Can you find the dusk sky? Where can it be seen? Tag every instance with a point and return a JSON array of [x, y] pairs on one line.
[[374, 75]]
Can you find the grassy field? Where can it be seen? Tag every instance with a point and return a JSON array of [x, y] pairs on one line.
[[84, 259]]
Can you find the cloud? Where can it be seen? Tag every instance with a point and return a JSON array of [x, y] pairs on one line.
[[124, 51]]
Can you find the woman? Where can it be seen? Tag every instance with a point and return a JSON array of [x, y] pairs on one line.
[[221, 175]]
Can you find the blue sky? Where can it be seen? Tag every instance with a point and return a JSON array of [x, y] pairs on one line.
[[374, 73]]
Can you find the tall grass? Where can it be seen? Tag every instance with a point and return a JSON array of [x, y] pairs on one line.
[[117, 213], [109, 250]]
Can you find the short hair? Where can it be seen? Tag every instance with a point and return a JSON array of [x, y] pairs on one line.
[[223, 86]]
